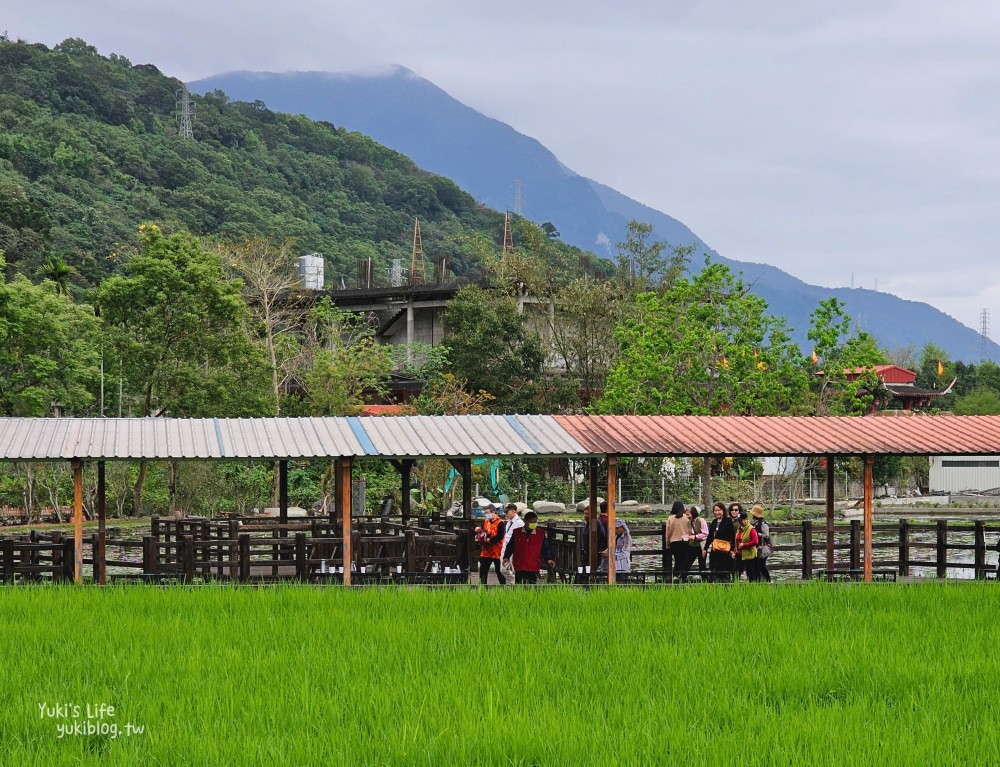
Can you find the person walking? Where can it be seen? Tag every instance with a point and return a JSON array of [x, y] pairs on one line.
[[677, 528], [528, 549], [602, 535], [763, 542], [623, 547], [696, 541], [719, 544], [514, 521], [491, 537], [745, 552]]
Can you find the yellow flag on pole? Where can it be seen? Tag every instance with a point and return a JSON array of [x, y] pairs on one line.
[[940, 368]]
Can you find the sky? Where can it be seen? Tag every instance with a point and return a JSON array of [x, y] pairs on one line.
[[847, 142]]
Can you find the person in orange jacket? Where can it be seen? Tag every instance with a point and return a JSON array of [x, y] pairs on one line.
[[491, 536]]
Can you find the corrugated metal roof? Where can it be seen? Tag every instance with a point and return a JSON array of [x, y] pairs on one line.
[[785, 435], [26, 439], [446, 436], [44, 439]]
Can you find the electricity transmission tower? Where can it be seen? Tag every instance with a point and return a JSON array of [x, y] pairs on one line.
[[185, 114], [518, 197], [984, 334], [418, 275]]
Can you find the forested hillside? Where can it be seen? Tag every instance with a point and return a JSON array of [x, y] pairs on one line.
[[90, 149]]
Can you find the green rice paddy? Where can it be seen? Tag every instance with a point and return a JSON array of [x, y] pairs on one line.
[[751, 675]]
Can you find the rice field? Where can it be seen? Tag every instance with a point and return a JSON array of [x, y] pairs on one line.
[[816, 674]]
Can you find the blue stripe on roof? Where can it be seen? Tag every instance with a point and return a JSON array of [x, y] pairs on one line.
[[359, 431], [218, 436], [522, 432]]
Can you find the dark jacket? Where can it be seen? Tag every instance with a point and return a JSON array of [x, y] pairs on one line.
[[724, 530], [602, 537]]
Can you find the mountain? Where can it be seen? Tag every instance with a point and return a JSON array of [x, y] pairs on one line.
[[485, 157], [90, 149]]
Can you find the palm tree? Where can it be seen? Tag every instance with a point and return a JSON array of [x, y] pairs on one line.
[[59, 272]]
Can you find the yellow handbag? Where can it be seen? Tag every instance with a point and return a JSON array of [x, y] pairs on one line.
[[721, 546]]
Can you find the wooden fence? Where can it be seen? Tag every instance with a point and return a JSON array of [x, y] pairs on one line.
[[263, 550], [800, 548]]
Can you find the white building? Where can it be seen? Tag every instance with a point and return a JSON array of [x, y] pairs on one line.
[[964, 473]]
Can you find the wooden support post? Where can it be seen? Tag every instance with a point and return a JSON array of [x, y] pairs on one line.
[[154, 526], [57, 556], [344, 467], [904, 547], [855, 553], [406, 473], [980, 550], [207, 551], [594, 556], [283, 495], [829, 514], [807, 549], [77, 519], [337, 493], [149, 552], [70, 564], [300, 558], [100, 551], [466, 488], [942, 548], [8, 560], [244, 548], [356, 558], [234, 557], [612, 488], [411, 551], [185, 550], [869, 494], [276, 552]]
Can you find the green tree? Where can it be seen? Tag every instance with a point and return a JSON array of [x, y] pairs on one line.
[[59, 273], [340, 363], [641, 259], [49, 351], [845, 382], [705, 346], [582, 329], [645, 265], [179, 328], [490, 348], [978, 402]]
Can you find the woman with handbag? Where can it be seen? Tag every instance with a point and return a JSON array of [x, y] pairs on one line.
[[764, 546], [745, 551], [720, 542]]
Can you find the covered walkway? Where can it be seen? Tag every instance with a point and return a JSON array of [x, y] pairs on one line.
[[404, 440]]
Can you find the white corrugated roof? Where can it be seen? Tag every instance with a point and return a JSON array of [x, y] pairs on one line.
[[41, 439]]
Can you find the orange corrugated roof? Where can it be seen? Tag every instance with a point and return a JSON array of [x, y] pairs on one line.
[[785, 435], [384, 410]]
